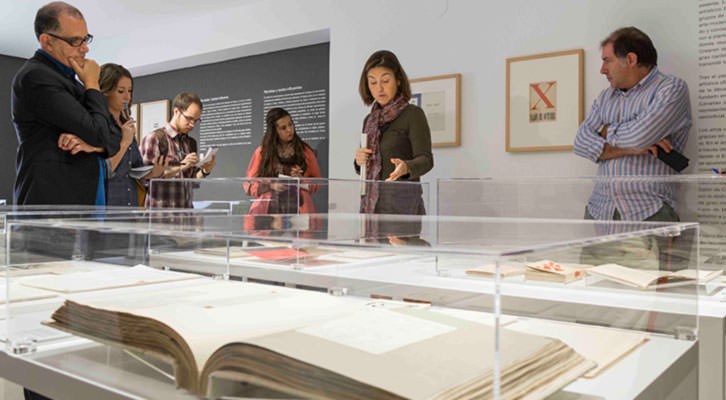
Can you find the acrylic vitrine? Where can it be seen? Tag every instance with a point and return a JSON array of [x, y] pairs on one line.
[[13, 213], [287, 195], [693, 198], [340, 299]]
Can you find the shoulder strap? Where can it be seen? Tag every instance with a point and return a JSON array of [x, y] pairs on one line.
[[163, 144], [192, 144]]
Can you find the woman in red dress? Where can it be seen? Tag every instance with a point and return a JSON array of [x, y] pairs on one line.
[[282, 154]]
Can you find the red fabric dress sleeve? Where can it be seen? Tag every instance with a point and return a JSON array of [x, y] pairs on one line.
[[313, 170], [252, 170]]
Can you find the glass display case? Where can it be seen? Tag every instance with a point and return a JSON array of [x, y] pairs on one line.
[[287, 195], [73, 244], [356, 305], [693, 198]]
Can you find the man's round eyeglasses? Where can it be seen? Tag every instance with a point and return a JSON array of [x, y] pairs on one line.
[[74, 41], [190, 119]]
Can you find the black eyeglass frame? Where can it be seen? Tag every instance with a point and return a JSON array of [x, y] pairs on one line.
[[190, 119], [88, 39]]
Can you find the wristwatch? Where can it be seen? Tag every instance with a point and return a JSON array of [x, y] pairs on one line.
[[205, 174]]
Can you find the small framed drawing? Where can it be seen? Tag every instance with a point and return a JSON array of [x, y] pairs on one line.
[[153, 115], [544, 101], [134, 114], [439, 97]]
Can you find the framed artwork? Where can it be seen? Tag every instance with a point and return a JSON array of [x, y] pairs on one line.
[[134, 113], [544, 101], [152, 115], [439, 98]]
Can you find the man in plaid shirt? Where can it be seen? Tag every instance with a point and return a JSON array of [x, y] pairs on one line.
[[173, 141]]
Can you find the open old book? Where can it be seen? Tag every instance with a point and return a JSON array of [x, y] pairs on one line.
[[605, 346], [648, 279], [490, 270], [314, 345], [546, 270]]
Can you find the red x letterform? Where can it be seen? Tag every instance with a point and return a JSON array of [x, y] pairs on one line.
[[543, 94]]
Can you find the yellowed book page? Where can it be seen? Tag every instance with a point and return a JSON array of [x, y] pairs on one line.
[[604, 346], [105, 279], [22, 293], [400, 330], [212, 314], [55, 268], [504, 270], [433, 362], [628, 276], [699, 275], [560, 381], [549, 266], [234, 251], [354, 255], [475, 316]]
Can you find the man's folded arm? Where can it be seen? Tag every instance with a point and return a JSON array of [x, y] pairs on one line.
[[667, 113], [588, 142], [89, 121]]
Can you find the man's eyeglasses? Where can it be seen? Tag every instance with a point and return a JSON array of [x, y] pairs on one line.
[[74, 41], [190, 119]]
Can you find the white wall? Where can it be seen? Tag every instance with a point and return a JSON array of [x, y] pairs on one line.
[[430, 37]]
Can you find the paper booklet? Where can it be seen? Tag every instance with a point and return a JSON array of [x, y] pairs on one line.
[[348, 255], [491, 269], [140, 172], [547, 270], [647, 279], [211, 151], [304, 186], [313, 345], [221, 251], [52, 267], [22, 293], [106, 278]]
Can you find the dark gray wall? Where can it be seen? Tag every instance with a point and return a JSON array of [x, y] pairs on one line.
[[302, 69], [8, 67]]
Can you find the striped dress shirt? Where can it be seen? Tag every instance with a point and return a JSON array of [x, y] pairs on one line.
[[654, 109]]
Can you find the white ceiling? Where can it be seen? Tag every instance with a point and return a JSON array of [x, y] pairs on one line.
[[105, 18]]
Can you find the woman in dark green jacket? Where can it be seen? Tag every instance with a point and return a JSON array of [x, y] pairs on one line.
[[398, 139]]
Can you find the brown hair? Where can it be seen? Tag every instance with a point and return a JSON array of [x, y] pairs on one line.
[[182, 101], [46, 19], [110, 75], [271, 141], [108, 80], [632, 40], [386, 59]]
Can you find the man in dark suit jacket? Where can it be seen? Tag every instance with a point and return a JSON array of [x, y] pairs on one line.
[[60, 123]]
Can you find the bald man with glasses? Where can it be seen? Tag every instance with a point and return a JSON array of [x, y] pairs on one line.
[[61, 118]]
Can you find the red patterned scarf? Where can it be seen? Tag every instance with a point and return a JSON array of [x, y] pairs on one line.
[[379, 116]]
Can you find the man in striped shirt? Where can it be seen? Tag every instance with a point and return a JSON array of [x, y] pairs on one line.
[[643, 108]]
